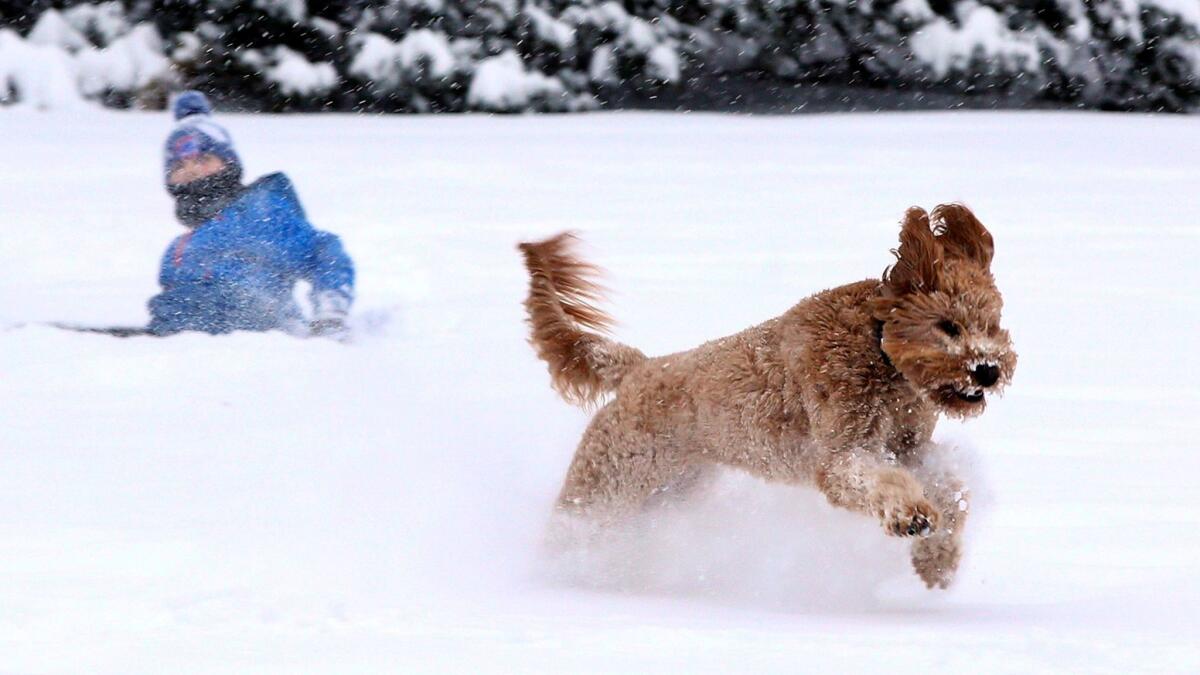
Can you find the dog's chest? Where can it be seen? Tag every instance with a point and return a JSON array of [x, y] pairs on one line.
[[910, 423]]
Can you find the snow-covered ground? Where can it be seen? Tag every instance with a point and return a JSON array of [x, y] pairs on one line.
[[258, 503]]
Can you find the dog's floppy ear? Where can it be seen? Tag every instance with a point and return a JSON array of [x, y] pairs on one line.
[[917, 259], [961, 234]]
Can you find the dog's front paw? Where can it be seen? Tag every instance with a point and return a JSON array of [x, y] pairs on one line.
[[902, 507], [916, 518], [935, 559]]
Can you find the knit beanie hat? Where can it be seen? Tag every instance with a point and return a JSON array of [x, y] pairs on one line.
[[196, 134]]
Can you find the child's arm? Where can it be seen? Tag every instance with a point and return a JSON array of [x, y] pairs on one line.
[[318, 256], [332, 279]]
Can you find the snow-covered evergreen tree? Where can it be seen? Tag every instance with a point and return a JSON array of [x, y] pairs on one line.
[[560, 55]]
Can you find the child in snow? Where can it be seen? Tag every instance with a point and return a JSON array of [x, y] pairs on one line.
[[247, 245]]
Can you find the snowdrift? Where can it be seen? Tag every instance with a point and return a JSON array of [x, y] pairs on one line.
[[258, 503]]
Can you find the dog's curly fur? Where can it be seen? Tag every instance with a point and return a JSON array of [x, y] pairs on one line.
[[841, 392]]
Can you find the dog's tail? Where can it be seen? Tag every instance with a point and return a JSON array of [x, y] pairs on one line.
[[583, 365]]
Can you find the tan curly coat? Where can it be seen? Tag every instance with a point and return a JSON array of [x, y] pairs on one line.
[[841, 392]]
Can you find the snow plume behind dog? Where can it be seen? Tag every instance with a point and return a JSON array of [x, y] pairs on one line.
[[744, 542]]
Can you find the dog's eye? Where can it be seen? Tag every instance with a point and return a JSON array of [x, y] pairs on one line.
[[948, 327]]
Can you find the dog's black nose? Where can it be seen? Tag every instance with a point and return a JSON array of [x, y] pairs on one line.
[[985, 374]]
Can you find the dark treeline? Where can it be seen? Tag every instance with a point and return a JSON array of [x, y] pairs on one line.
[[765, 55]]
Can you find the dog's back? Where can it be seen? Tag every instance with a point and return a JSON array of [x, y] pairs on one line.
[[734, 400]]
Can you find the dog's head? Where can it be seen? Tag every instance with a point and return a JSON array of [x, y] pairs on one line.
[[940, 311]]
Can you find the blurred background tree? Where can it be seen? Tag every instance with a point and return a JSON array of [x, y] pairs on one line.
[[559, 55]]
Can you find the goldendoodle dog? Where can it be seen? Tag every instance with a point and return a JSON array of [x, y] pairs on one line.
[[841, 392]]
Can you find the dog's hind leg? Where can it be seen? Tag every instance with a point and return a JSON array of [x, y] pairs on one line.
[[685, 483], [617, 470]]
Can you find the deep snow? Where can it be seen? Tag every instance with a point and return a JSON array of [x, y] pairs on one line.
[[258, 503]]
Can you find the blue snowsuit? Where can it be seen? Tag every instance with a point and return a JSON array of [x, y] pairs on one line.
[[236, 270]]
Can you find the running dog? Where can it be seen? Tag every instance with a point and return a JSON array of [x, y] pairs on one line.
[[841, 392]]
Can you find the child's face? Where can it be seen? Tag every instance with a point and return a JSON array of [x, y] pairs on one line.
[[195, 168]]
